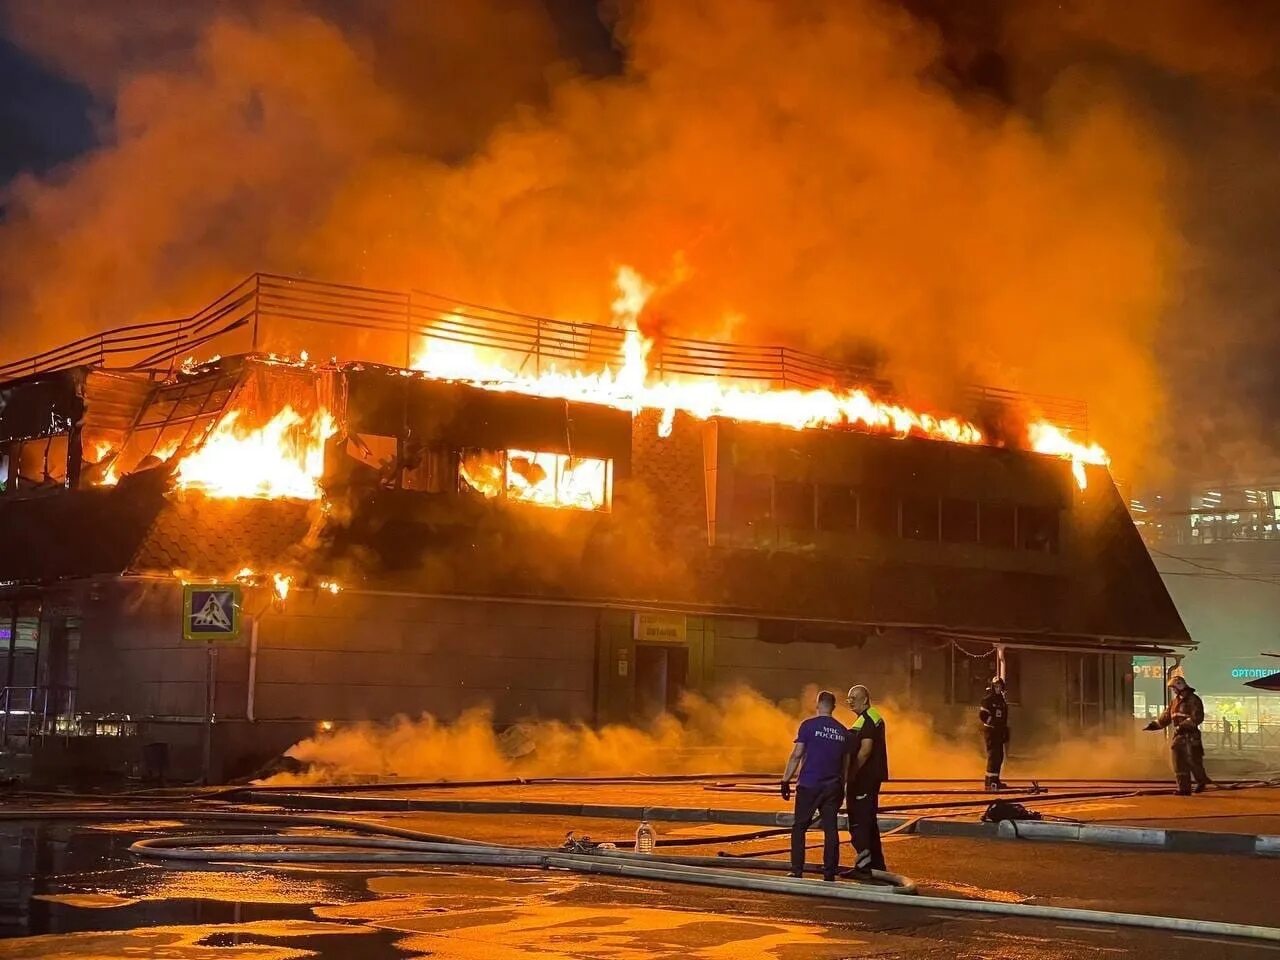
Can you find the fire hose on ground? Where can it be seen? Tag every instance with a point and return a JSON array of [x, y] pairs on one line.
[[379, 845]]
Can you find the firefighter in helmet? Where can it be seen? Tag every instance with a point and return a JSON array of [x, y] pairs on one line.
[[994, 714], [1184, 713]]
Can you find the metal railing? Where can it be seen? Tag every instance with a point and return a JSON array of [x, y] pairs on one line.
[[1244, 735], [27, 712], [269, 312]]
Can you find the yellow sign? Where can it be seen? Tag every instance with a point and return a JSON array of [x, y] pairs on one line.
[[660, 628]]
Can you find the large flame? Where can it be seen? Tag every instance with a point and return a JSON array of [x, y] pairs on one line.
[[283, 458], [630, 388], [1050, 439]]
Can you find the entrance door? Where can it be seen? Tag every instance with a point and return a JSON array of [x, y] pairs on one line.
[[662, 673]]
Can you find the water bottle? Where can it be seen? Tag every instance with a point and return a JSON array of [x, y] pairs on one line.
[[646, 838]]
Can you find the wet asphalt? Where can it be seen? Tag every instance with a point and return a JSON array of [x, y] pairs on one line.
[[72, 891]]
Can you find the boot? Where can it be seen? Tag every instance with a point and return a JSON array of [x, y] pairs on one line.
[[991, 784]]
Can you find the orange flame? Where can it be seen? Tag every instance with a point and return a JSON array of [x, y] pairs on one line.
[[1049, 439], [284, 458], [281, 584], [629, 389]]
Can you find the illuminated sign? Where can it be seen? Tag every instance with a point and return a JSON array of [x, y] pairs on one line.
[[1254, 673]]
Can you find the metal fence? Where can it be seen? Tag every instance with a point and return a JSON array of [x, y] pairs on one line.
[[286, 315], [27, 712]]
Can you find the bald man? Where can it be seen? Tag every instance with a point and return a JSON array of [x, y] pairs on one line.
[[868, 769]]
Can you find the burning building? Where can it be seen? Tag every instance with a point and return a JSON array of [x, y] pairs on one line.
[[563, 521]]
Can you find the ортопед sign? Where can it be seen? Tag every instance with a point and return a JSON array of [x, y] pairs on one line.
[[210, 611]]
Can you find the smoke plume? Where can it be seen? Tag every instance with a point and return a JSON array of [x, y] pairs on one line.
[[799, 172], [738, 731]]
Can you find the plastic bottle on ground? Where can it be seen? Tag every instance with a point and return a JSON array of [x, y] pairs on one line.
[[646, 837]]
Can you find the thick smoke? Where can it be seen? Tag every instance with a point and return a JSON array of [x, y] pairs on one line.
[[738, 731], [799, 172]]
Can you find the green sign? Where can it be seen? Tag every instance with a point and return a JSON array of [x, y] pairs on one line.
[[211, 611]]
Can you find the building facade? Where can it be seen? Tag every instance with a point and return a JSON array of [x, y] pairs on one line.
[[549, 558]]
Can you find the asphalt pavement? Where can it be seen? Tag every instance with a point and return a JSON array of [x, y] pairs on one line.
[[71, 891]]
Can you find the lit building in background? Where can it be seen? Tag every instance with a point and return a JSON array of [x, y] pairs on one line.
[[1217, 546]]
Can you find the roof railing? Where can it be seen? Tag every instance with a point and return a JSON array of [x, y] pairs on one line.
[[269, 312]]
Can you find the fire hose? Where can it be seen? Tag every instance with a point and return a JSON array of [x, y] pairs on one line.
[[380, 845]]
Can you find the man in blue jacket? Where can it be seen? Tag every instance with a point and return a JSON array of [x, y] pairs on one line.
[[821, 755]]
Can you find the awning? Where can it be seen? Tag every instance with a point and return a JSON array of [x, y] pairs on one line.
[[1265, 683]]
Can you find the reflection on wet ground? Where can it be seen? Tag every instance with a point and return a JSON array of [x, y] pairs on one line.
[[73, 892]]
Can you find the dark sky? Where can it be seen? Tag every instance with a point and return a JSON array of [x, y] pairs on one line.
[[45, 119]]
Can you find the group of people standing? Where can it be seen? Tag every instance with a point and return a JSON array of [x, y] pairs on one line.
[[838, 763]]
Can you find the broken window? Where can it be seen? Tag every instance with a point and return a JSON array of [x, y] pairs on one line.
[[42, 462], [540, 477]]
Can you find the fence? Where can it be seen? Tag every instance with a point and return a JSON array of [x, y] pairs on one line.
[[286, 315], [27, 712]]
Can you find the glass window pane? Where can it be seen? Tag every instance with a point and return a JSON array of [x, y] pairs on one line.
[[920, 518], [960, 521], [837, 508]]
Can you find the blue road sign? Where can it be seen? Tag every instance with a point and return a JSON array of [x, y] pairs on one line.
[[210, 611]]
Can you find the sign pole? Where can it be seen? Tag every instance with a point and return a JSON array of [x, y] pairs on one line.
[[210, 685], [211, 613]]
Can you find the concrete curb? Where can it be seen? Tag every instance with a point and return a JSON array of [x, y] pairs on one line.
[[1153, 838]]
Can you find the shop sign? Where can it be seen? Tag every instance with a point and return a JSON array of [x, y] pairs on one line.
[[660, 628]]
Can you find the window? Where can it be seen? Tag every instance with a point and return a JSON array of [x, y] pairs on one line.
[[752, 501], [538, 477], [793, 504], [42, 462], [996, 525], [837, 508], [920, 518], [960, 521], [1038, 529], [973, 664], [878, 513]]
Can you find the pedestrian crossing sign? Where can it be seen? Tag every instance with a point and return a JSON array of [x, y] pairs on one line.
[[210, 611]]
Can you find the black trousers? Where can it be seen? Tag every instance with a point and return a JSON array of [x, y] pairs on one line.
[[826, 802], [995, 740], [1188, 761], [864, 830]]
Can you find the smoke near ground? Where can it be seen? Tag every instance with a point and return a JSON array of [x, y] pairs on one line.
[[738, 731], [810, 173]]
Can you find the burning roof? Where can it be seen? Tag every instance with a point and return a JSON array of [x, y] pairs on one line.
[[255, 447]]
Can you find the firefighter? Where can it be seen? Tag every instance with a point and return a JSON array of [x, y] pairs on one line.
[[868, 769], [821, 753], [1184, 713], [994, 714]]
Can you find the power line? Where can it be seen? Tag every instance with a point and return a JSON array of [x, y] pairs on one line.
[[1219, 572]]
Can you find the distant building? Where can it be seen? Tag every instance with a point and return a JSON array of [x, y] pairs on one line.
[[552, 558], [1217, 546]]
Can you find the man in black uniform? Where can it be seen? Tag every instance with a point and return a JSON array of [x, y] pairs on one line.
[[868, 768], [994, 714], [1184, 713]]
